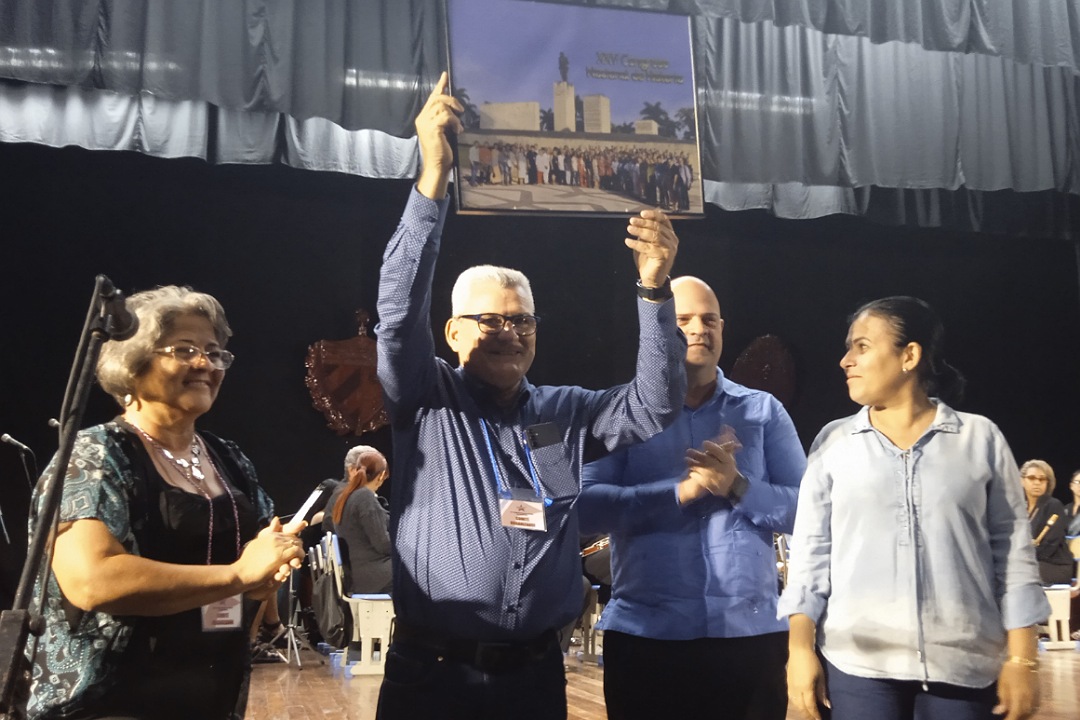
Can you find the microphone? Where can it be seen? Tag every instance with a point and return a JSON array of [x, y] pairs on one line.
[[122, 322], [23, 452], [12, 441]]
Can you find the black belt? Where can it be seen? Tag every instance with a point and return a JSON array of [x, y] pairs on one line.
[[487, 656]]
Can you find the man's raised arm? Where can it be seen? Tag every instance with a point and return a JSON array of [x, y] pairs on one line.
[[405, 344], [637, 411]]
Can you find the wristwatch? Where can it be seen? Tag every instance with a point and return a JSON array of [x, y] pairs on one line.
[[657, 293], [739, 486]]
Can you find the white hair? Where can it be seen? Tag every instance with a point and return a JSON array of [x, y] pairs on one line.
[[355, 456], [501, 276]]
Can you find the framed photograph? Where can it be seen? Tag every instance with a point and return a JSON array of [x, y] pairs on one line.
[[573, 110]]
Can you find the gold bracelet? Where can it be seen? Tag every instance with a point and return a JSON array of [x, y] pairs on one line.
[[1030, 664]]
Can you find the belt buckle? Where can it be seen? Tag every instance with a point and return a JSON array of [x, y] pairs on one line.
[[493, 657]]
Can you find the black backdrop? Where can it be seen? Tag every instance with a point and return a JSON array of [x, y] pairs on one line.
[[291, 254]]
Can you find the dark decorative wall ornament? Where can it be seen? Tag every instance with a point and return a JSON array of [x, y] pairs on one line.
[[767, 364], [342, 381]]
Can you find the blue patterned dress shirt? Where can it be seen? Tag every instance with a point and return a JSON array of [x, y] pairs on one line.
[[457, 570]]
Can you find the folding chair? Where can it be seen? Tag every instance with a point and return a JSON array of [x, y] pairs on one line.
[[372, 616]]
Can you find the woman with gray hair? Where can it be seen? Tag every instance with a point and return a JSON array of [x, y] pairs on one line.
[[361, 522], [1048, 523], [159, 561]]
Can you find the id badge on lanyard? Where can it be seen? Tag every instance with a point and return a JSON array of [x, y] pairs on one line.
[[226, 613], [523, 509], [518, 508]]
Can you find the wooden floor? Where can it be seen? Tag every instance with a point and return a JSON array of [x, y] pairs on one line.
[[284, 692]]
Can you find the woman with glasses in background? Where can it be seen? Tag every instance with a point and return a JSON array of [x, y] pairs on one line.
[[1048, 523], [166, 542]]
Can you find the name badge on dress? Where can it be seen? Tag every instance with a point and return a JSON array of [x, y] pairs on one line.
[[224, 614], [524, 511]]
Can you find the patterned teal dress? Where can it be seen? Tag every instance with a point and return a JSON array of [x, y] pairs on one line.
[[93, 664]]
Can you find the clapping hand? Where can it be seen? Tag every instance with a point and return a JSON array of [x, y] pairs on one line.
[[267, 560], [711, 469]]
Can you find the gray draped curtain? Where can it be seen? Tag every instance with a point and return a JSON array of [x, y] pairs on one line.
[[906, 110], [1042, 32]]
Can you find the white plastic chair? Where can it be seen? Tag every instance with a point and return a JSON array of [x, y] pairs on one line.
[[372, 616]]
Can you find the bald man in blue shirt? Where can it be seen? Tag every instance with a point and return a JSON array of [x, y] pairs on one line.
[[691, 629]]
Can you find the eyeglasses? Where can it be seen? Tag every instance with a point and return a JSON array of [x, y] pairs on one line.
[[1075, 481], [1035, 478], [219, 359], [491, 323]]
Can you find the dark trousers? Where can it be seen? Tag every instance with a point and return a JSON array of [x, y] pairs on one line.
[[420, 684], [859, 698], [737, 678]]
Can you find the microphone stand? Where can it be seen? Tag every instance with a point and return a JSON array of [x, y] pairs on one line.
[[103, 322], [29, 481], [26, 468]]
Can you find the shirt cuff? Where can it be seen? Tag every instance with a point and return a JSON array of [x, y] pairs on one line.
[[655, 312], [800, 601], [1024, 606], [423, 209]]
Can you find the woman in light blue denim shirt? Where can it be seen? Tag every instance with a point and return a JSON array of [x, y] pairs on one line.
[[912, 569]]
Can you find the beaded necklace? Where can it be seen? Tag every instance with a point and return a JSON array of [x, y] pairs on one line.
[[192, 472]]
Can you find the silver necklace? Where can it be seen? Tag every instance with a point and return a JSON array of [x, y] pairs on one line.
[[192, 471]]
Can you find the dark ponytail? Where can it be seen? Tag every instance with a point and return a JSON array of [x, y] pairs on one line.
[[914, 321]]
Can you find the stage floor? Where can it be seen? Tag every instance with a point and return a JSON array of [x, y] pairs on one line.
[[282, 692]]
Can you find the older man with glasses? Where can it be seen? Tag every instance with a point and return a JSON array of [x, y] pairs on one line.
[[486, 565]]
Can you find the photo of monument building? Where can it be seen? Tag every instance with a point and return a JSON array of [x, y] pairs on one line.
[[599, 125]]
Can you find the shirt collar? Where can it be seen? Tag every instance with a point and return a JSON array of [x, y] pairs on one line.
[[945, 419], [730, 387], [722, 386], [482, 393]]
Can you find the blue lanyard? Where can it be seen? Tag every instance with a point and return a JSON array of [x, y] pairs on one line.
[[503, 489]]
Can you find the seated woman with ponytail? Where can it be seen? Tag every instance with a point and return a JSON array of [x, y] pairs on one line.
[[913, 590], [361, 522]]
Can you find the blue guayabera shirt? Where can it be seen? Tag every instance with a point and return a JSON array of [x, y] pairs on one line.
[[706, 569], [456, 569], [914, 563]]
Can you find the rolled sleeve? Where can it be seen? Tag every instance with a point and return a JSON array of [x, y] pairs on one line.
[[808, 586], [770, 502]]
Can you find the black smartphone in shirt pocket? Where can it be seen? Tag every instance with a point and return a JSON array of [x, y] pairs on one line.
[[542, 435]]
